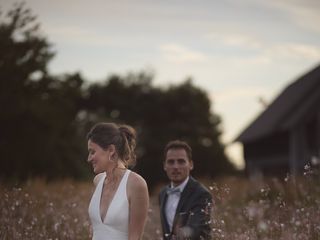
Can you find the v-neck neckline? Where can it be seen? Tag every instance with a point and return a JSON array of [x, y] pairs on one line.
[[103, 218]]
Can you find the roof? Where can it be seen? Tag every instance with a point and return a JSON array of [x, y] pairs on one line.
[[288, 109]]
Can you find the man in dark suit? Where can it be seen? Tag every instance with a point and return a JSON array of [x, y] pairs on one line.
[[185, 205]]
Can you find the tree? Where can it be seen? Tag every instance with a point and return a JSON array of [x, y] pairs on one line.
[[160, 115], [38, 125], [45, 118]]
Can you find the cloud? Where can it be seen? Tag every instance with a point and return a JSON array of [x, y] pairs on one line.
[[79, 36], [305, 13], [250, 51], [235, 39], [295, 50], [179, 54], [234, 94]]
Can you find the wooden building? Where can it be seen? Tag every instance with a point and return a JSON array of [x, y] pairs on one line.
[[286, 136]]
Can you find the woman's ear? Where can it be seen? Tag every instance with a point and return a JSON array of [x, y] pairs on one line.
[[112, 150]]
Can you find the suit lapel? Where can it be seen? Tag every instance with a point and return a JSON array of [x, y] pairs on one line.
[[184, 197], [186, 192], [163, 200]]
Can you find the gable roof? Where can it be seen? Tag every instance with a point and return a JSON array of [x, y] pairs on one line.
[[292, 105]]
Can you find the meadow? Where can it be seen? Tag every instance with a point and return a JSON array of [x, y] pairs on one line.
[[269, 208]]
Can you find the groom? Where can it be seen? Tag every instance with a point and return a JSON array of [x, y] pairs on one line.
[[185, 205]]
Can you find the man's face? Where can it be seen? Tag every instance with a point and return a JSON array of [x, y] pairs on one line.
[[177, 165]]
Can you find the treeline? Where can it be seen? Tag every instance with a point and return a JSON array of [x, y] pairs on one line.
[[44, 118]]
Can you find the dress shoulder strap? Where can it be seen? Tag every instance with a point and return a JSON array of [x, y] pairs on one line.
[[126, 176]]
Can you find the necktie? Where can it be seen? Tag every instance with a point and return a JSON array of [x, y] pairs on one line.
[[173, 191]]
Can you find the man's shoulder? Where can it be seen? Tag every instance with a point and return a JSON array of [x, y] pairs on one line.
[[198, 186]]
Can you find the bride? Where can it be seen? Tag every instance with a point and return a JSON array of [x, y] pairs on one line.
[[119, 204]]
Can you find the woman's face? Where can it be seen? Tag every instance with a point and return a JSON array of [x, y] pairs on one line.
[[99, 158]]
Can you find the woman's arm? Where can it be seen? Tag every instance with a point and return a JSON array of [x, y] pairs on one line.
[[138, 198]]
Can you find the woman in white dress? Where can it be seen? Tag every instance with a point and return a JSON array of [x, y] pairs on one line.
[[119, 204]]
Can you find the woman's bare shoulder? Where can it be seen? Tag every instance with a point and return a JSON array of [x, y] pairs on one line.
[[137, 182], [97, 178]]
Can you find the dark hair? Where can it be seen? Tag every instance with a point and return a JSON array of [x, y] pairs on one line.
[[178, 144], [123, 137]]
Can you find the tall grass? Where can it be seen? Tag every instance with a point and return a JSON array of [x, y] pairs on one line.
[[266, 209], [38, 210]]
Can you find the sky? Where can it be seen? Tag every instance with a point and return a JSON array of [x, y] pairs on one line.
[[243, 53]]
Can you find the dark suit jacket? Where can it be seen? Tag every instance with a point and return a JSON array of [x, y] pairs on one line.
[[193, 211]]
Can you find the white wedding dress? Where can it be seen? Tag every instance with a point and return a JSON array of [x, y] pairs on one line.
[[114, 226]]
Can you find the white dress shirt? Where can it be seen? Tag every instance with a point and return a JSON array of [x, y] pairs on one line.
[[172, 202]]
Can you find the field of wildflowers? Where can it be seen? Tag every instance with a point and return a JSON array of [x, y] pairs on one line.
[[266, 209]]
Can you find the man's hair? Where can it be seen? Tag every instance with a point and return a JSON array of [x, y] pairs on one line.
[[178, 144]]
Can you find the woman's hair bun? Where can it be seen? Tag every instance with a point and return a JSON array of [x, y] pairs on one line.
[[130, 134]]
